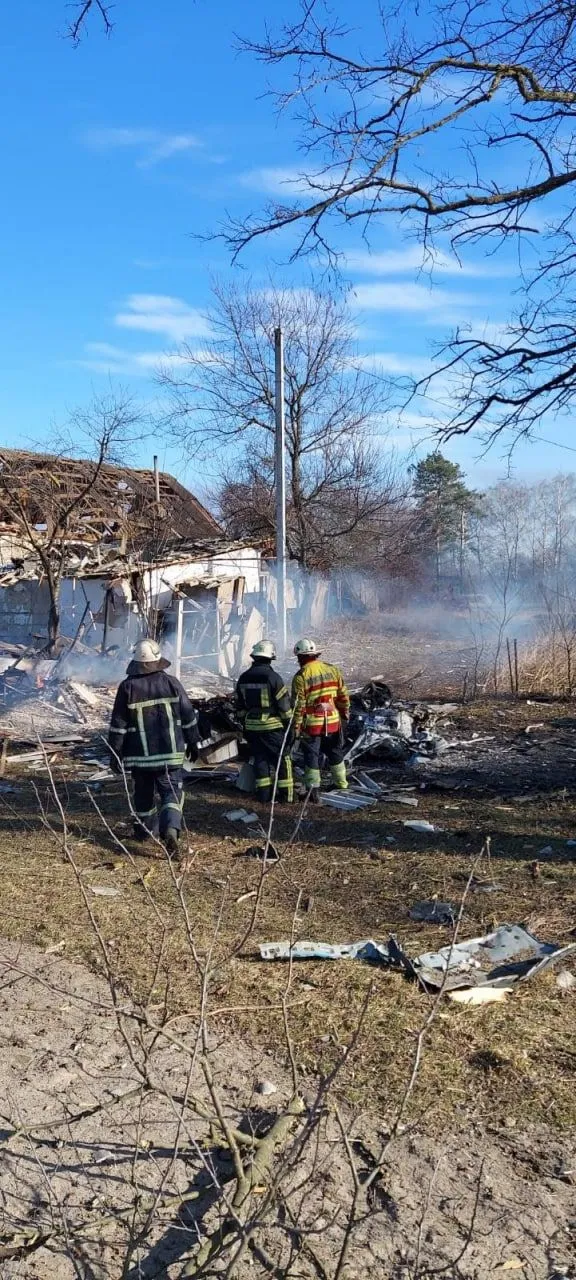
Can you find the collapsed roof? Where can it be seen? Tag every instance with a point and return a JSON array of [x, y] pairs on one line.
[[107, 501]]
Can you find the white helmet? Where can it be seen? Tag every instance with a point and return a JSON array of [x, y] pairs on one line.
[[264, 649], [306, 648], [147, 651]]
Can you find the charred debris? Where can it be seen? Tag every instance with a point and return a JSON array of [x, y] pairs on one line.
[[64, 699]]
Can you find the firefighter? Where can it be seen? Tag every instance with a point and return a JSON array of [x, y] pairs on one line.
[[153, 726], [263, 708], [321, 708]]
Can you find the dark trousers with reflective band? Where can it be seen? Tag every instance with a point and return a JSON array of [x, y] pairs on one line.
[[156, 815], [331, 746], [266, 750]]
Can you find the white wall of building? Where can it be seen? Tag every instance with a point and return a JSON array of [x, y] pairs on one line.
[[158, 583]]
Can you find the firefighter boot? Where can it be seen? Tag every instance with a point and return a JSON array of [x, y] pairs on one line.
[[339, 778], [171, 842]]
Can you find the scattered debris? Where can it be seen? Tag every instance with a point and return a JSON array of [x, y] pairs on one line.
[[417, 824], [480, 995], [458, 965], [266, 853], [105, 891], [565, 981], [462, 962], [85, 693], [433, 912], [368, 783], [266, 1088], [242, 815], [245, 896], [367, 949], [346, 800]]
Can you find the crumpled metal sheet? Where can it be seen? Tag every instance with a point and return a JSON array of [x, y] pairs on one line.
[[463, 965], [484, 959], [366, 949], [349, 800]]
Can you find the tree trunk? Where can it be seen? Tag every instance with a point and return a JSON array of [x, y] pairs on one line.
[[297, 501], [462, 545]]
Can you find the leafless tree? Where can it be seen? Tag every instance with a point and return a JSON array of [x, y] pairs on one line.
[[164, 1159], [46, 505], [354, 510], [456, 124], [222, 397]]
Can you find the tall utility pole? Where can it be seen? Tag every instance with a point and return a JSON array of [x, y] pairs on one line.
[[280, 483]]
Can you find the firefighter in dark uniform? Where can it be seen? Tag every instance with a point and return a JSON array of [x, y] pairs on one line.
[[263, 708], [321, 709], [153, 727]]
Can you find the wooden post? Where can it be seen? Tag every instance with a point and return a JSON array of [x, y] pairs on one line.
[[106, 611], [465, 686], [510, 665], [516, 679], [179, 636], [218, 626]]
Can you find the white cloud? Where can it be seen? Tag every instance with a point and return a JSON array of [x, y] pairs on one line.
[[104, 357], [154, 145], [277, 181], [396, 262], [156, 313], [437, 305], [289, 181]]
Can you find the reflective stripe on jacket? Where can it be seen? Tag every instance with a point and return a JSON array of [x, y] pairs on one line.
[[262, 699], [320, 698], [153, 720]]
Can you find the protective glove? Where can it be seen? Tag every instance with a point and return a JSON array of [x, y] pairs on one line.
[[191, 752], [115, 764]]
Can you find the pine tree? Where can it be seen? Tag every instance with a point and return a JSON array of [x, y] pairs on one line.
[[445, 503]]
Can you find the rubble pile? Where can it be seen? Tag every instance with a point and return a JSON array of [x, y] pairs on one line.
[[46, 700], [394, 731]]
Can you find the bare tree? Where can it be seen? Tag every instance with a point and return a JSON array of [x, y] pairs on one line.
[[222, 397], [47, 505], [465, 133], [354, 510]]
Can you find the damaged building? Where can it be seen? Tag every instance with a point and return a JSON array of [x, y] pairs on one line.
[[133, 552]]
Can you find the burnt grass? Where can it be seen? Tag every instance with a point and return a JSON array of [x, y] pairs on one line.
[[345, 877]]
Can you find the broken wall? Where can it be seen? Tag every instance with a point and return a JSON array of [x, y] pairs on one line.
[[24, 612]]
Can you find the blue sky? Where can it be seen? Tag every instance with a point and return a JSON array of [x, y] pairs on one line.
[[114, 154]]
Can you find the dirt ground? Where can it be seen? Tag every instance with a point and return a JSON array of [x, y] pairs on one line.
[[73, 1183], [495, 1089]]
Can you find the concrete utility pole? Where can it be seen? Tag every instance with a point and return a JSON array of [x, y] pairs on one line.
[[280, 482]]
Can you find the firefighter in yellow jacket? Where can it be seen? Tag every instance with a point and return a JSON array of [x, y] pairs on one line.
[[321, 708]]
